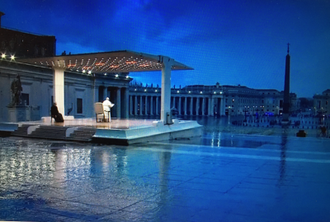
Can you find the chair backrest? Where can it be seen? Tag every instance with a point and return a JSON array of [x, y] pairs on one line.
[[98, 107]]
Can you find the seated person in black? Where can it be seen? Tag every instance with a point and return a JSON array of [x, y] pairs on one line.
[[56, 114]]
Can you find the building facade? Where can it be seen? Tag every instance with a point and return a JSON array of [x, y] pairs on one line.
[[209, 100], [21, 44], [81, 91], [131, 99], [188, 101], [322, 103]]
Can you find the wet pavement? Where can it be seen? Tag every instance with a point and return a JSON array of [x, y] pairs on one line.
[[221, 177]]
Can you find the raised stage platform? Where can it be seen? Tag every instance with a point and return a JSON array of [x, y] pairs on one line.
[[121, 131]]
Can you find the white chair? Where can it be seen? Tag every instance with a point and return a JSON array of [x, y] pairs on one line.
[[98, 107]]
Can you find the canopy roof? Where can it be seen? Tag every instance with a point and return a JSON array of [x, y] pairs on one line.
[[106, 62]]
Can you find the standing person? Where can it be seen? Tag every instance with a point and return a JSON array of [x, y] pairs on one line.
[[56, 114], [107, 105]]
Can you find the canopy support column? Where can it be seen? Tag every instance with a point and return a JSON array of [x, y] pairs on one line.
[[58, 88], [166, 89]]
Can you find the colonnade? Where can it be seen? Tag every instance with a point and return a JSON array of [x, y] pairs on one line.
[[118, 95], [185, 105]]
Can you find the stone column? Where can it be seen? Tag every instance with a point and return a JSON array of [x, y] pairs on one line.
[[96, 93], [58, 89], [185, 105], [157, 105], [118, 105], [130, 105], [179, 105], [151, 106], [135, 106], [211, 106], [222, 105], [126, 102], [166, 88], [146, 106], [105, 93], [141, 105], [191, 105], [197, 106], [203, 106]]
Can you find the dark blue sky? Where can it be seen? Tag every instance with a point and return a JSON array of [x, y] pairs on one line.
[[230, 42]]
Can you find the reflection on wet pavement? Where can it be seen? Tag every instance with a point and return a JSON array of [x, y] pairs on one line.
[[227, 177]]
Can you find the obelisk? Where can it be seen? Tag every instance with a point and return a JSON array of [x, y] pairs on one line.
[[286, 99]]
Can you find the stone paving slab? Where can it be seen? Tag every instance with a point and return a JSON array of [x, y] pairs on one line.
[[263, 178]]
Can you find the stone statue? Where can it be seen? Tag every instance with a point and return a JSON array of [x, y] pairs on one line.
[[16, 89]]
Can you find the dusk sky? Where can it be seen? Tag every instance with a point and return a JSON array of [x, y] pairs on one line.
[[231, 42]]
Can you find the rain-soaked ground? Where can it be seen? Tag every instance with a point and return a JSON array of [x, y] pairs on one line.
[[219, 177]]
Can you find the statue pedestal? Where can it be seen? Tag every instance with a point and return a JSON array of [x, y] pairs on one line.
[[19, 113]]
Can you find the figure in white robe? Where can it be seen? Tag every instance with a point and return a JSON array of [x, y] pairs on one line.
[[107, 105]]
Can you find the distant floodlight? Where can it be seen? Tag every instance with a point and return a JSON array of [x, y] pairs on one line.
[[84, 71], [89, 72], [116, 75], [127, 77], [12, 57], [3, 56]]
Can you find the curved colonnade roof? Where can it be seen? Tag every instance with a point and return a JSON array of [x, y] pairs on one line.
[[106, 62]]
